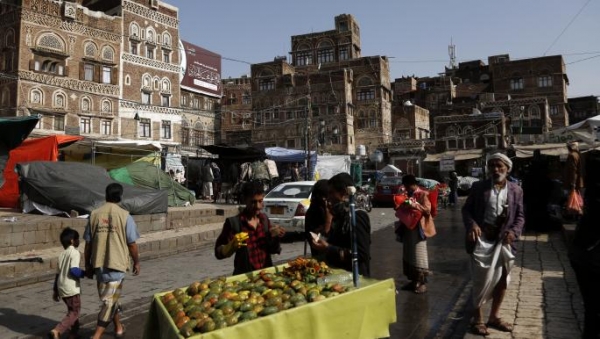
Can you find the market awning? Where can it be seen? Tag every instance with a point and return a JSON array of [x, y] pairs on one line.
[[235, 153], [463, 154], [526, 151]]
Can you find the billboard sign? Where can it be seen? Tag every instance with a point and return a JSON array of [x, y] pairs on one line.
[[202, 70], [447, 163]]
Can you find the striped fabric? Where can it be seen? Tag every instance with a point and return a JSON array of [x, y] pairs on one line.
[[414, 256], [109, 293]]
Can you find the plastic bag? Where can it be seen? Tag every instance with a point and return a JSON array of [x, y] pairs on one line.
[[408, 216], [574, 203]]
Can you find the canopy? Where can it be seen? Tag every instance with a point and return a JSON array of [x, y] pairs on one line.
[[280, 154], [42, 149], [14, 130], [463, 154], [235, 152], [391, 169], [330, 165], [526, 151], [586, 131], [113, 154], [81, 187], [147, 175]]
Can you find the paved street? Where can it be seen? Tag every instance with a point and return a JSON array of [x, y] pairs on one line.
[[543, 300]]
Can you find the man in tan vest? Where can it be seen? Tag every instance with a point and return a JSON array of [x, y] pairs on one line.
[[110, 237]]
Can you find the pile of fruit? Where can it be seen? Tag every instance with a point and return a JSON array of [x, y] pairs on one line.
[[214, 304]]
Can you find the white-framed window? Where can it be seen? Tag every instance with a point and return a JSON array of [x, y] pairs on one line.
[[165, 129], [165, 100], [545, 81], [36, 97], [146, 98], [150, 52], [166, 86], [134, 48], [59, 123], [127, 80], [90, 50], [88, 72], [553, 110], [106, 127], [85, 125], [145, 127], [86, 104], [106, 106], [166, 56], [106, 74], [166, 39], [59, 100], [108, 53], [516, 83]]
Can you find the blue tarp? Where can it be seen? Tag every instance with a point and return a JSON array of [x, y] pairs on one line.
[[280, 154]]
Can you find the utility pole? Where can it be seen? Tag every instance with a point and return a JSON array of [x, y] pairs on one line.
[[308, 134]]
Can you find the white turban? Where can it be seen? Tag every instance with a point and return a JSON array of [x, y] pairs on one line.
[[506, 160]]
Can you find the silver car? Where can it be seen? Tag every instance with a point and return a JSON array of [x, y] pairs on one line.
[[286, 204]]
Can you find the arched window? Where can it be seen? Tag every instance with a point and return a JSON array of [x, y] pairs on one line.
[[166, 86], [534, 112], [134, 30], [106, 106], [156, 83], [150, 34], [59, 100], [303, 55], [451, 131], [90, 50], [51, 41], [36, 96], [325, 52], [108, 53], [147, 81], [127, 80], [86, 104], [5, 97], [10, 37], [166, 39]]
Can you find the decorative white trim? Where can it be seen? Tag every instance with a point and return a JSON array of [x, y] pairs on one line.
[[70, 83], [138, 60], [70, 26], [150, 14], [150, 108]]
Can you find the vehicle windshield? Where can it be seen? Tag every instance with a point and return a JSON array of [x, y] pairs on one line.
[[390, 181], [290, 191]]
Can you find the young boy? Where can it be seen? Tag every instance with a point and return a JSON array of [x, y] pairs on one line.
[[66, 284]]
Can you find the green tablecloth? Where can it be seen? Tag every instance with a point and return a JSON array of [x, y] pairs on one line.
[[364, 313]]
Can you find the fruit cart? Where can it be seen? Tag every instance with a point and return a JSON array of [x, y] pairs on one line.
[[363, 313]]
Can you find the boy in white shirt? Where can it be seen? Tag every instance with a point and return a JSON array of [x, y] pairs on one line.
[[66, 284]]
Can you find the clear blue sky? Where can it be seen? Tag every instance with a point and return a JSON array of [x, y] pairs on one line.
[[414, 34]]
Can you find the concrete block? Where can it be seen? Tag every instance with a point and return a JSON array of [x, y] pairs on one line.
[[29, 238], [41, 237], [16, 239], [5, 228], [19, 228], [23, 267], [7, 271]]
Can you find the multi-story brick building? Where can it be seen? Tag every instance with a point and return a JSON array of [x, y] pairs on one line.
[[581, 108], [61, 61], [104, 69], [237, 120], [201, 91], [344, 99]]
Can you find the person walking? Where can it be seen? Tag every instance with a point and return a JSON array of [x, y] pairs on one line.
[[573, 177], [337, 249], [416, 225], [295, 172], [584, 251], [66, 284], [207, 181], [493, 218], [110, 239], [216, 181], [318, 217], [250, 234]]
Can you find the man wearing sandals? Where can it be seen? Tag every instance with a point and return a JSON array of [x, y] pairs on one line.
[[493, 218]]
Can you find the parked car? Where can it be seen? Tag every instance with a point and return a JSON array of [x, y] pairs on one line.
[[385, 190], [287, 204]]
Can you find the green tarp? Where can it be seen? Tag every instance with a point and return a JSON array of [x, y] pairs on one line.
[[145, 174]]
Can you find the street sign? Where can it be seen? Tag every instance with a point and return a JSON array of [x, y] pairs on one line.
[[447, 163]]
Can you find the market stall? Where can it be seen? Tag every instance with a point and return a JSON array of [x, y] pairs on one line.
[[363, 313]]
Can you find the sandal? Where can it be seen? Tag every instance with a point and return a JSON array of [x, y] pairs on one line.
[[122, 334], [500, 325], [479, 329], [420, 288]]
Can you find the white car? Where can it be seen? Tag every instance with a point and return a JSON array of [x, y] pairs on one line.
[[286, 204]]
